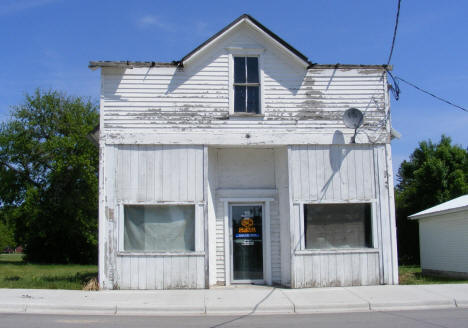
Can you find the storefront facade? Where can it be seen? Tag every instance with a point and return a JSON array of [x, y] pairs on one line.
[[233, 166]]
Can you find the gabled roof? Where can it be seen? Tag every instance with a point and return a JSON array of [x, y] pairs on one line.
[[241, 19], [454, 205], [257, 24]]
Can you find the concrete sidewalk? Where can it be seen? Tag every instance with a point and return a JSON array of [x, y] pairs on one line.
[[239, 300]]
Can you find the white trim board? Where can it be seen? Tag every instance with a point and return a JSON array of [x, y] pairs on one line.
[[265, 202]]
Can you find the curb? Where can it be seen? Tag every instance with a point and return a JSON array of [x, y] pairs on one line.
[[199, 310]]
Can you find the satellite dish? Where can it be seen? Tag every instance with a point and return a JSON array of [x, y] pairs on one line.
[[352, 118]]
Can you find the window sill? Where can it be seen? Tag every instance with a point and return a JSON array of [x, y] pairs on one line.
[[336, 251], [161, 254], [240, 114]]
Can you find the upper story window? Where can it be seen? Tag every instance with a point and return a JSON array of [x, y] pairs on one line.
[[246, 85]]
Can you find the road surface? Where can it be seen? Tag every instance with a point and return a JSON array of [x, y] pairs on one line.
[[414, 319]]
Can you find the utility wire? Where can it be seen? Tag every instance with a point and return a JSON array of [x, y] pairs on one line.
[[395, 88], [430, 94], [394, 33]]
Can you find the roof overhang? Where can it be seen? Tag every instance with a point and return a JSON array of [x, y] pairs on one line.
[[285, 47], [128, 64], [418, 216]]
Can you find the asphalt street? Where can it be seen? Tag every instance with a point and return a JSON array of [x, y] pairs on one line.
[[415, 319]]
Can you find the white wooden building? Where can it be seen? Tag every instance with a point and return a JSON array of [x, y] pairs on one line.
[[233, 165], [443, 238]]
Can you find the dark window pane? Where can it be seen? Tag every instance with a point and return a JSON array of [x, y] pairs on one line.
[[239, 69], [247, 246], [337, 226], [252, 70], [239, 98], [253, 96]]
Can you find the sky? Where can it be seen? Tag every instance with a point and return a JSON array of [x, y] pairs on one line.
[[48, 44]]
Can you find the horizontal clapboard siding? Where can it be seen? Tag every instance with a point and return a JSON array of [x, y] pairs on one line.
[[146, 100], [443, 242], [220, 258], [151, 175], [196, 98], [275, 242]]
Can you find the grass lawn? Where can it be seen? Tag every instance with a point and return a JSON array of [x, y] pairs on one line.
[[14, 273], [411, 275]]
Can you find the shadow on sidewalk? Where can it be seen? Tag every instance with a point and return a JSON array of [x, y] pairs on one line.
[[248, 314]]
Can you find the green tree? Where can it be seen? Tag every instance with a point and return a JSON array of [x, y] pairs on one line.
[[48, 177], [6, 236], [435, 173]]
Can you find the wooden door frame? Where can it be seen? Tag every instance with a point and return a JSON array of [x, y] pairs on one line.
[[265, 202]]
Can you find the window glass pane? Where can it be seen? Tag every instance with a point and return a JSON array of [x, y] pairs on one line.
[[239, 98], [239, 69], [161, 228], [337, 226], [247, 245], [253, 96], [252, 70]]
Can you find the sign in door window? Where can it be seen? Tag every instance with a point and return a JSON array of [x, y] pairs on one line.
[[247, 245]]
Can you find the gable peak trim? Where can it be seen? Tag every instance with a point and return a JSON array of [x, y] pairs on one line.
[[257, 24]]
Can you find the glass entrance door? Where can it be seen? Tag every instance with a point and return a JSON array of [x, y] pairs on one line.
[[247, 242]]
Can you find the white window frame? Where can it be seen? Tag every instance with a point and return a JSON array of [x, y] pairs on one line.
[[199, 229], [374, 228], [246, 52]]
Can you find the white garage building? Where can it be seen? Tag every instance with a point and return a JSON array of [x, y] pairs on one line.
[[443, 238]]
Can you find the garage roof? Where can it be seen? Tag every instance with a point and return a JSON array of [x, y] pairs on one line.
[[454, 205]]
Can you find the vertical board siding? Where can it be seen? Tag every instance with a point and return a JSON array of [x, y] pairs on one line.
[[333, 172], [282, 185], [341, 173], [161, 272], [336, 269], [153, 174], [159, 173]]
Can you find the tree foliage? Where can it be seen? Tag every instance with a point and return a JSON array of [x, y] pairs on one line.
[[6, 236], [48, 177], [435, 173]]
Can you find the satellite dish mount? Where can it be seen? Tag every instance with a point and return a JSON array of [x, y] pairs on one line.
[[352, 119]]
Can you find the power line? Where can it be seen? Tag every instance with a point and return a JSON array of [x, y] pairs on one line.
[[394, 33], [395, 88], [429, 93]]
